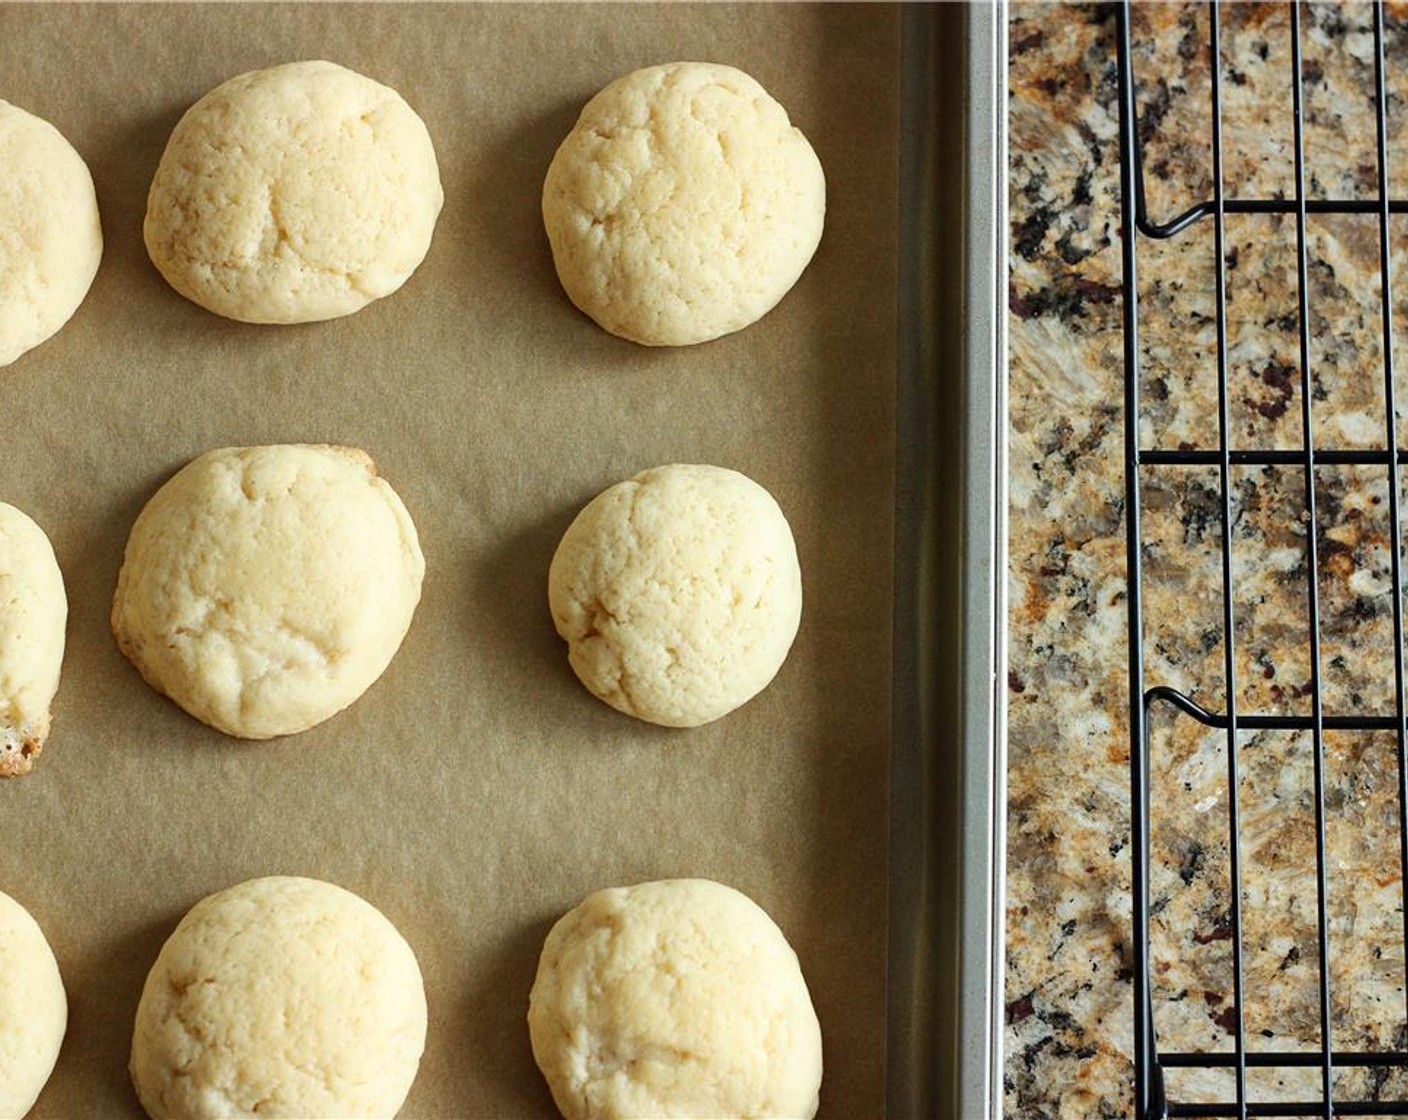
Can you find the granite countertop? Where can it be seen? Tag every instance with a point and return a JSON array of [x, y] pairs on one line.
[[1069, 958]]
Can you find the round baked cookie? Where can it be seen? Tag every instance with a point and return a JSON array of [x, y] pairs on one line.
[[678, 593], [33, 1009], [280, 997], [50, 236], [678, 998], [683, 205], [33, 617], [264, 589], [293, 194]]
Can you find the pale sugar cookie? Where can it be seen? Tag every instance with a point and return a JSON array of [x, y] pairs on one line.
[[33, 617], [683, 205], [264, 589], [293, 194], [50, 237], [678, 998], [280, 997], [678, 592], [33, 1009]]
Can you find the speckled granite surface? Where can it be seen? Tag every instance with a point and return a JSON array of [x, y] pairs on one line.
[[1069, 991]]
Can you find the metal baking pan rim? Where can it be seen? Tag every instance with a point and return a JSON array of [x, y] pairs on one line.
[[948, 761]]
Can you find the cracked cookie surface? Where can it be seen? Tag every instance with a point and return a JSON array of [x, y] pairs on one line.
[[676, 998], [678, 592], [683, 205], [33, 617], [280, 997], [264, 589], [294, 194]]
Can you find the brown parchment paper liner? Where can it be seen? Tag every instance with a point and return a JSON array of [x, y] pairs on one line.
[[477, 790]]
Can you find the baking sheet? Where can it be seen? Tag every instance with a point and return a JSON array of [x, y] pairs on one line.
[[477, 790], [948, 755]]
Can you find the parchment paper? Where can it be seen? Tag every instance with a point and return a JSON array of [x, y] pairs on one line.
[[477, 791]]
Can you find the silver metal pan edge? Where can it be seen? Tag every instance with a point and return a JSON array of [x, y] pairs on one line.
[[948, 802]]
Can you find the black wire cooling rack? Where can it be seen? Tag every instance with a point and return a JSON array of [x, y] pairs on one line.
[[1208, 219]]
